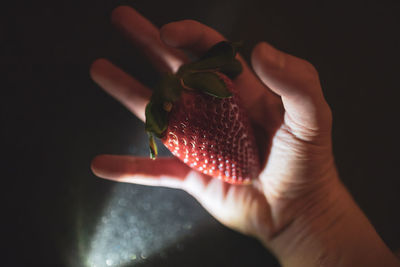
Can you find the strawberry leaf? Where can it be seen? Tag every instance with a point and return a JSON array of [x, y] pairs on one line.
[[207, 82], [169, 88], [223, 50], [156, 117], [220, 57], [232, 69]]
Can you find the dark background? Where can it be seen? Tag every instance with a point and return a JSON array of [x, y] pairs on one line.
[[55, 120]]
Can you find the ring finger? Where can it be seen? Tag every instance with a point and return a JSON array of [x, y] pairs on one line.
[[145, 36]]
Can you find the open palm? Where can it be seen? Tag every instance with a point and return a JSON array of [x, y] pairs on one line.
[[291, 120]]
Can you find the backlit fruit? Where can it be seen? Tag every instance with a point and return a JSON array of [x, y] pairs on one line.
[[197, 113]]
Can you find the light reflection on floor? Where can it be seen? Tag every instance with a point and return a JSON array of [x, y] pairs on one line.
[[139, 222]]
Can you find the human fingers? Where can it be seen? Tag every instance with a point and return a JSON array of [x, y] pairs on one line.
[[144, 35], [167, 172], [127, 90], [234, 206], [297, 82], [191, 35], [198, 38]]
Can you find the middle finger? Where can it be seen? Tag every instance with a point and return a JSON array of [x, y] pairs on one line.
[[144, 35]]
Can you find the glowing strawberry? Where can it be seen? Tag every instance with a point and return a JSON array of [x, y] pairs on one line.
[[198, 116]]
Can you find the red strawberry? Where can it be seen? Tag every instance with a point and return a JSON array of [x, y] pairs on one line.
[[198, 116]]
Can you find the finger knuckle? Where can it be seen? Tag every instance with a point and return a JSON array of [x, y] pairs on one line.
[[310, 68]]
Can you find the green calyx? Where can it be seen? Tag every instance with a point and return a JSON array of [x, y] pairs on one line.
[[197, 76]]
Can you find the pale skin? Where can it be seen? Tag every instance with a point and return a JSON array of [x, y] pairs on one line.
[[297, 207]]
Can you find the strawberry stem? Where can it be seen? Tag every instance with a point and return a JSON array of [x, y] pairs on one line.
[[167, 106], [152, 146]]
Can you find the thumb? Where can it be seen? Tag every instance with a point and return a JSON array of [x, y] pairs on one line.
[[296, 81]]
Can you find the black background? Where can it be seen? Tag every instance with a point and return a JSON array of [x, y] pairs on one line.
[[55, 119]]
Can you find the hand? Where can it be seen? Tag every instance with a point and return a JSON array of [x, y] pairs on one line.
[[292, 121]]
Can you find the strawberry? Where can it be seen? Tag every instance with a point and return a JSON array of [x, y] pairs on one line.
[[198, 115]]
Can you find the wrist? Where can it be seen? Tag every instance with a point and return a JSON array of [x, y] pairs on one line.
[[332, 231], [310, 234]]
